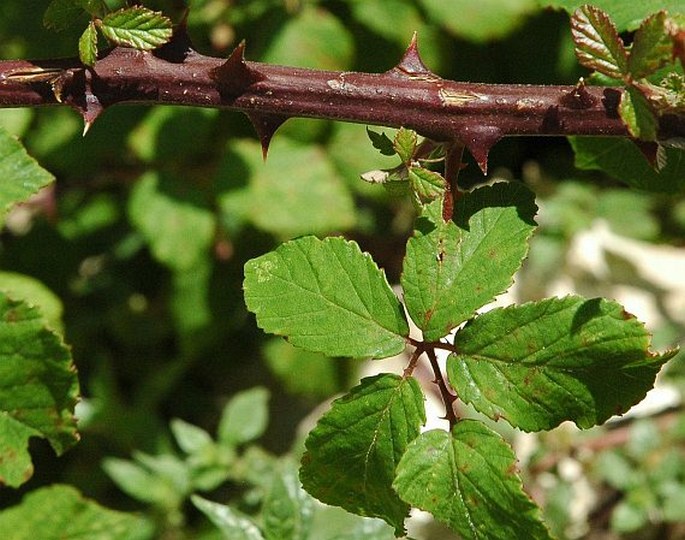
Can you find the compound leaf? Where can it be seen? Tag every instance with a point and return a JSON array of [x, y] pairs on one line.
[[137, 27], [452, 269], [352, 452], [598, 45], [467, 480], [60, 512], [652, 46], [326, 296], [39, 389], [541, 363], [20, 175]]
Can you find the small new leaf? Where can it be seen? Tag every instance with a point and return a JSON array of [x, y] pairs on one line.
[[381, 142], [468, 481], [541, 363], [88, 45], [637, 115], [405, 144], [598, 45], [136, 27], [352, 452], [652, 47], [427, 185], [326, 296]]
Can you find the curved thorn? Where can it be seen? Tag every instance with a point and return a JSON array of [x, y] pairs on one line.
[[411, 65], [234, 75], [479, 140], [266, 125]]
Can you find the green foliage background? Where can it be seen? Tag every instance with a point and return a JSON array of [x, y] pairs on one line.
[[144, 236]]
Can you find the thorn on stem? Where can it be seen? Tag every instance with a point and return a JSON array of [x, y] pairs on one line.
[[266, 125], [479, 140], [411, 65], [234, 76]]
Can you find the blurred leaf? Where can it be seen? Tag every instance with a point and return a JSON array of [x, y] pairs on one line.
[[61, 513], [287, 199], [302, 372], [353, 450], [39, 389], [620, 158], [20, 175], [160, 480], [674, 503], [625, 15], [288, 510], [629, 213], [558, 359], [190, 438], [467, 479], [245, 417], [233, 524], [618, 471], [136, 27], [173, 220], [326, 296], [452, 269], [598, 45], [88, 45], [637, 115], [481, 21], [61, 14], [629, 517], [35, 294], [314, 38], [652, 47], [376, 14]]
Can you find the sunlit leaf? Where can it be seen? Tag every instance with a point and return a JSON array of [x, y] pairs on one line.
[[541, 363], [598, 45], [326, 296], [652, 46], [467, 479], [88, 45], [137, 27], [353, 450]]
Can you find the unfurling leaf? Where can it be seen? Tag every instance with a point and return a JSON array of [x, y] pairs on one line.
[[468, 481], [352, 452], [427, 185], [452, 269], [598, 45], [637, 115], [541, 363], [88, 45], [652, 47], [405, 144], [326, 296], [136, 27]]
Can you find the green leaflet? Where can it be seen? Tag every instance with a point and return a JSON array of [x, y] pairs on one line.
[[137, 27], [20, 175], [60, 512], [652, 46], [288, 510], [39, 389], [598, 45], [452, 269], [467, 480], [326, 296], [620, 158], [88, 45], [637, 114], [404, 144], [541, 363], [353, 450]]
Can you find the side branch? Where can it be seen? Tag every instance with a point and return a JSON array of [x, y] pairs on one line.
[[476, 115]]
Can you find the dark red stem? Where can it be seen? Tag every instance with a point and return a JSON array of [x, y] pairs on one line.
[[477, 115], [448, 397]]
